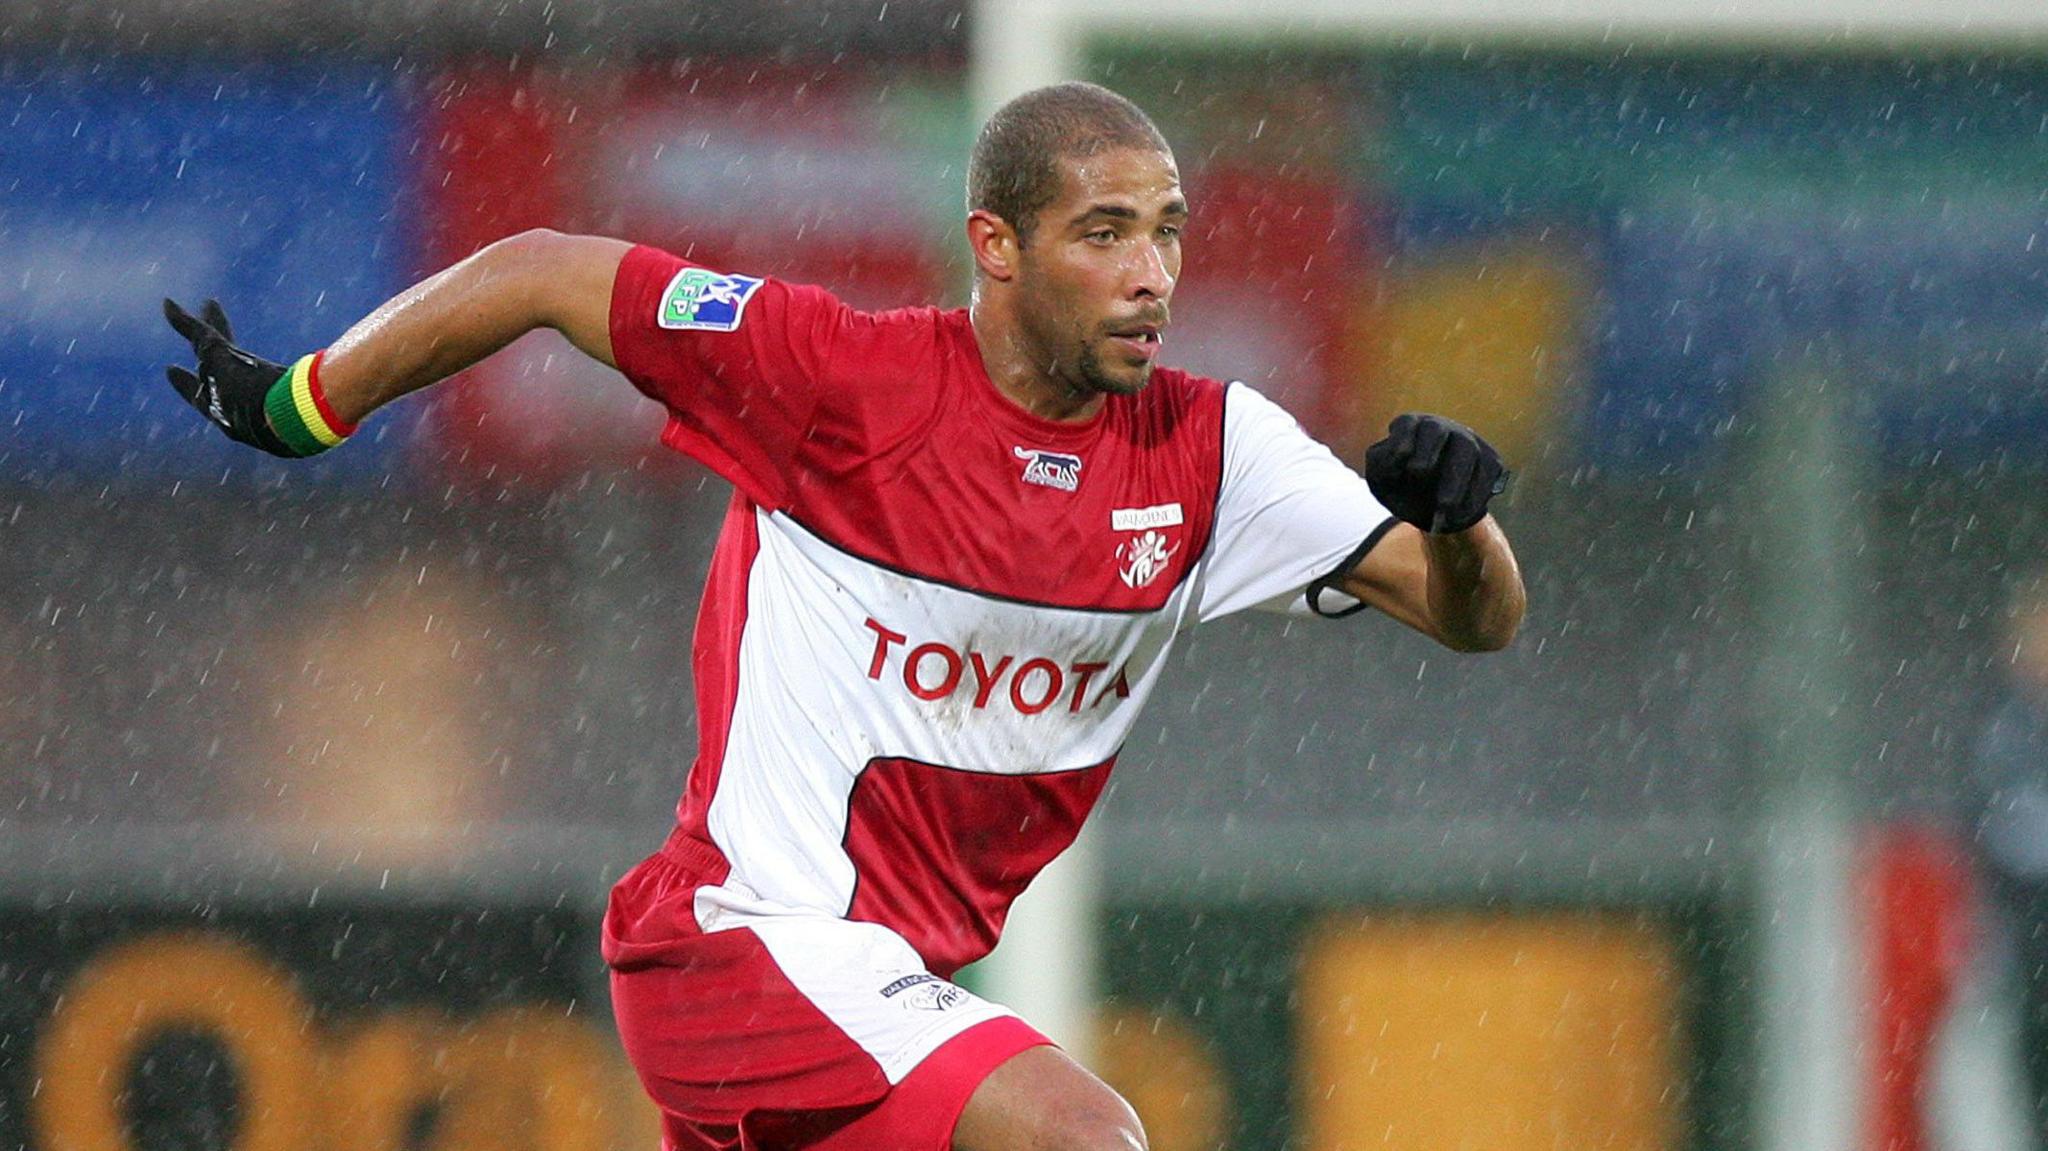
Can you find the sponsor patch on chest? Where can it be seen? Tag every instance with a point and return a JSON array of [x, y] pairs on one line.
[[1050, 469], [1020, 682], [1141, 519]]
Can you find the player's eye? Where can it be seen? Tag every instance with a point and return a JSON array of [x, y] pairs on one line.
[[1101, 236]]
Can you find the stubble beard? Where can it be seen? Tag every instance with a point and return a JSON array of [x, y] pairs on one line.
[[1080, 372], [1098, 379], [1072, 358]]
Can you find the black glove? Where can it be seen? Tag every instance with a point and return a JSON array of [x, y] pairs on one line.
[[1435, 473], [231, 384]]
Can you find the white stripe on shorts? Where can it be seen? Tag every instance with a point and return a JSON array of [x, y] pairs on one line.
[[872, 986]]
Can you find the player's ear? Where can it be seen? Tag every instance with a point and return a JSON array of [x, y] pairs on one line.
[[994, 243]]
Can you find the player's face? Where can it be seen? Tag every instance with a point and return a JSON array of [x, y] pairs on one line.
[[1097, 275]]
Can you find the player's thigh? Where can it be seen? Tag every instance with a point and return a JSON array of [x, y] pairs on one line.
[[1041, 1100]]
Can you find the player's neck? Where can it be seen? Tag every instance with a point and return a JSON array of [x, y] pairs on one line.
[[1024, 377]]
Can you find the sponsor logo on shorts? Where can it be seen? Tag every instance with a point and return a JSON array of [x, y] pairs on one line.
[[1050, 469], [925, 992], [702, 300]]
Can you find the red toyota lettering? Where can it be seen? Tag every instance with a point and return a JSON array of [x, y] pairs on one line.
[[1119, 687], [1053, 681], [985, 680], [945, 686], [1083, 672], [884, 638], [1033, 686]]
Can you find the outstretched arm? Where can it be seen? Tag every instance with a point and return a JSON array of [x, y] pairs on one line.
[[445, 323], [436, 328], [1446, 571]]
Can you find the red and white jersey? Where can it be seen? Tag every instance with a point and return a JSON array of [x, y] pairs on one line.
[[932, 617]]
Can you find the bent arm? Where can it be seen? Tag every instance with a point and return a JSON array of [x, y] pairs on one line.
[[445, 323], [1463, 589]]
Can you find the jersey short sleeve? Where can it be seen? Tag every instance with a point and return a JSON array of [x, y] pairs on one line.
[[1288, 513], [737, 361]]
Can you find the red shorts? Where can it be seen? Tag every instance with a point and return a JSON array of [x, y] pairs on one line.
[[791, 1033]]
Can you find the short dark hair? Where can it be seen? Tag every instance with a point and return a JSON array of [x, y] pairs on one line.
[[1014, 170]]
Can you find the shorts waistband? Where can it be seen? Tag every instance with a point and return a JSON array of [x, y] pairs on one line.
[[695, 856]]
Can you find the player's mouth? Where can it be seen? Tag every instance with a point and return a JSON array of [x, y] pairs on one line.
[[1139, 341]]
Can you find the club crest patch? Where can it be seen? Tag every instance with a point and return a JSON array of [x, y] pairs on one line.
[[1140, 559], [701, 300], [1050, 469]]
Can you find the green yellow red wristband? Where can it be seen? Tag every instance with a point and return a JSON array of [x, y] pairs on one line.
[[298, 410]]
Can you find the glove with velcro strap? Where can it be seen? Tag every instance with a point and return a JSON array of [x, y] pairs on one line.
[[254, 401], [1434, 473]]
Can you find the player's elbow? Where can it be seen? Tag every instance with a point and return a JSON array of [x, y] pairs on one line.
[[511, 273], [534, 247], [1481, 642], [522, 261], [539, 257], [560, 281], [1492, 632]]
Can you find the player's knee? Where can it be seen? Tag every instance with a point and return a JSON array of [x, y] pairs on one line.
[[1116, 1137], [1041, 1100]]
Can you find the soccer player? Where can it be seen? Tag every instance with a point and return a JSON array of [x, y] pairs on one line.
[[959, 547]]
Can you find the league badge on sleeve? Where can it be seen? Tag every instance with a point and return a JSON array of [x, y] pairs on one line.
[[701, 300]]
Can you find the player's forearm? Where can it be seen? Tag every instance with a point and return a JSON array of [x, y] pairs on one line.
[[1474, 588], [457, 317]]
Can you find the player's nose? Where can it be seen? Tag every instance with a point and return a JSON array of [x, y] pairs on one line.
[[1150, 274]]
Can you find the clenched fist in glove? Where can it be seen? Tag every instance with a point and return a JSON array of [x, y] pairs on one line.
[[1434, 473]]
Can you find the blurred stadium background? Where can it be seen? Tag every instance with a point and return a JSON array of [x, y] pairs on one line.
[[315, 777]]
